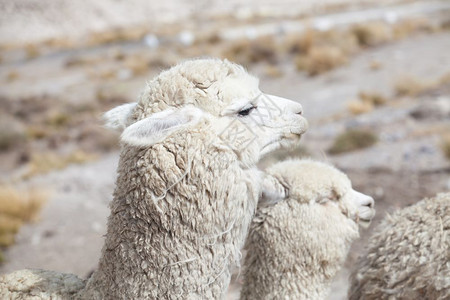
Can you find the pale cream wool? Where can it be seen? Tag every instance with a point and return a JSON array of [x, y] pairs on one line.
[[296, 246], [185, 192], [408, 256]]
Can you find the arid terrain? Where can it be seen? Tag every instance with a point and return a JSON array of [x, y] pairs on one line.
[[374, 81]]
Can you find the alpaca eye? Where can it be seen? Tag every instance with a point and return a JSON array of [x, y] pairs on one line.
[[246, 112]]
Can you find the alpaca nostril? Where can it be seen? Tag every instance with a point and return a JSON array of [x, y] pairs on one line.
[[371, 203]]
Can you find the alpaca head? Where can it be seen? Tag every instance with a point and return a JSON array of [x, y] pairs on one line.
[[313, 182], [214, 96]]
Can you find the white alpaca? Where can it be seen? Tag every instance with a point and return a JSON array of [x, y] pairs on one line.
[[408, 256], [302, 231], [187, 186]]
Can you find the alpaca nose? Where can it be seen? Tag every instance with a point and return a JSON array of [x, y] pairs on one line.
[[286, 105]]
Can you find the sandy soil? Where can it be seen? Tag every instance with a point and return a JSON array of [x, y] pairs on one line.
[[403, 167]]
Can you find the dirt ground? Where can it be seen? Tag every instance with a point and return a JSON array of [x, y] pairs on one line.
[[405, 165]]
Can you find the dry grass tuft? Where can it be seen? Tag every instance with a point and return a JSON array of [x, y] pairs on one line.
[[117, 35], [372, 33], [375, 65], [247, 52], [366, 102], [273, 71], [353, 140], [31, 51], [408, 27], [12, 76], [57, 119], [41, 163], [12, 133], [410, 86], [445, 145], [321, 59], [358, 107], [16, 208], [372, 97]]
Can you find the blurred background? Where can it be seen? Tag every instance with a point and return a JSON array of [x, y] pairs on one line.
[[373, 77]]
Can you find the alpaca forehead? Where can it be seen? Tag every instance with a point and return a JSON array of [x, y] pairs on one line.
[[211, 85], [311, 177]]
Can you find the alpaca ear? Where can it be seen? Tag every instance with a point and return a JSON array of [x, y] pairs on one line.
[[272, 191], [157, 127], [118, 118]]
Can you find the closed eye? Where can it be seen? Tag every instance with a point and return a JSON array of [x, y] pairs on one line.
[[247, 111]]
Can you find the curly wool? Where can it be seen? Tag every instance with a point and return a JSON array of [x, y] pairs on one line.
[[186, 192], [175, 229], [296, 247], [40, 284], [408, 256], [181, 207]]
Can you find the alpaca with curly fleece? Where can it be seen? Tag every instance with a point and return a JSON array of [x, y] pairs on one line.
[[408, 256], [302, 231], [187, 186]]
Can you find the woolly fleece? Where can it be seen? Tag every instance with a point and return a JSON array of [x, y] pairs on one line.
[[408, 256], [185, 193], [296, 246]]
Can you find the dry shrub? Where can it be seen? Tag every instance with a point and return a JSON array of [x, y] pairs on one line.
[[57, 119], [358, 107], [444, 79], [12, 133], [12, 76], [375, 65], [273, 71], [302, 44], [408, 27], [351, 140], [41, 163], [59, 43], [16, 208], [247, 52], [94, 138], [79, 61], [138, 65], [410, 86], [445, 145], [372, 33], [37, 132], [366, 102], [31, 51], [372, 97], [295, 43], [320, 59], [116, 35], [116, 54]]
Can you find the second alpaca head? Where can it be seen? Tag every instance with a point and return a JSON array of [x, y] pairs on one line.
[[307, 219]]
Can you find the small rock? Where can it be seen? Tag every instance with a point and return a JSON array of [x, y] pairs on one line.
[[151, 41], [124, 74], [434, 109], [186, 38]]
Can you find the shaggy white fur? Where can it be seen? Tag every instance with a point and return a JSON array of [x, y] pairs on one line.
[[187, 185], [408, 256], [296, 246]]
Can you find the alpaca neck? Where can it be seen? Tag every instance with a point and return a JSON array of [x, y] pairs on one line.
[[172, 234], [268, 281]]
